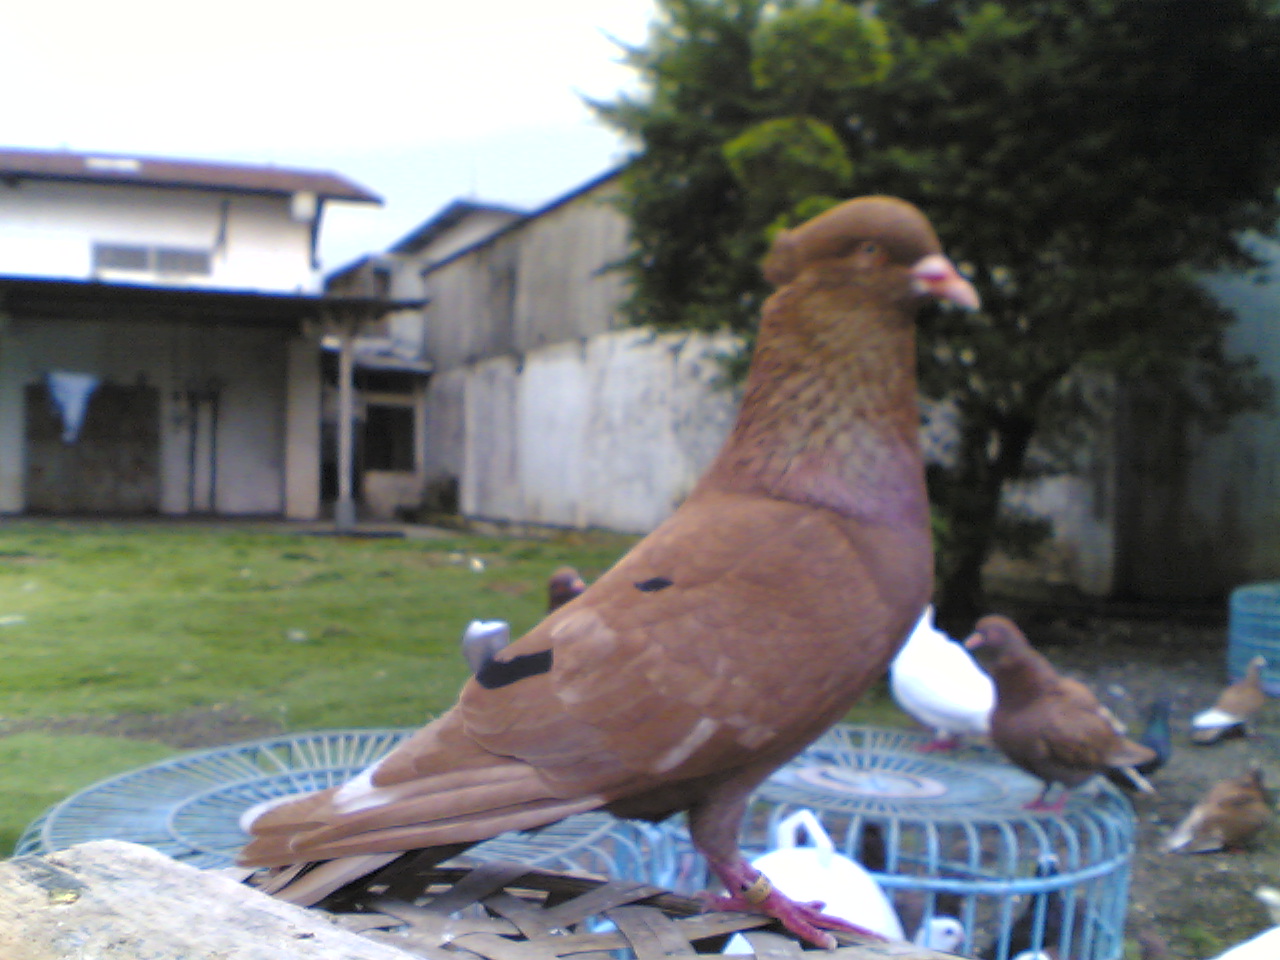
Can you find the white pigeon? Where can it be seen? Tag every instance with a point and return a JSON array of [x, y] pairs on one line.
[[816, 872], [937, 681], [482, 639], [941, 933], [1266, 945]]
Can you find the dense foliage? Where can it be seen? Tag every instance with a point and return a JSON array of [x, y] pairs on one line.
[[1081, 158]]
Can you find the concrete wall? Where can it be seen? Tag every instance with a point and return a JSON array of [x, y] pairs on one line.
[[48, 230], [266, 409], [543, 282], [610, 433], [1201, 512]]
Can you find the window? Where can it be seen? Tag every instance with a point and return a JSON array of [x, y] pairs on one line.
[[388, 438], [191, 261], [114, 256], [179, 260]]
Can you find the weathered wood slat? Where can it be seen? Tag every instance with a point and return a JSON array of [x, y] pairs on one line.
[[90, 900], [598, 900], [651, 933]]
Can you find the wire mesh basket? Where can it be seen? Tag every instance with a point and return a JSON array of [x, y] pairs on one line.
[[951, 838]]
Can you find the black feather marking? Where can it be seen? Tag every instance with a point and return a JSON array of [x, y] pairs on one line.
[[654, 584], [499, 673]]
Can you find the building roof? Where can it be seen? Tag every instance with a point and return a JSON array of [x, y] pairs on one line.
[[66, 165], [518, 223], [445, 220], [29, 298]]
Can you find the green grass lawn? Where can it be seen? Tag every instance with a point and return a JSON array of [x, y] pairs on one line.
[[104, 620]]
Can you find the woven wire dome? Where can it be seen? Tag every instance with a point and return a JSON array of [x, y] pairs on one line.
[[951, 837], [1253, 629], [189, 808]]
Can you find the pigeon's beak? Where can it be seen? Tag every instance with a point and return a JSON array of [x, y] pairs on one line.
[[936, 276]]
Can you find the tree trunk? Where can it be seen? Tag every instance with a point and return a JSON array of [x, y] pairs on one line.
[[968, 499]]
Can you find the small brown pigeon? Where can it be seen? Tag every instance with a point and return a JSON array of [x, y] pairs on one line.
[[1234, 709], [724, 642], [565, 584], [1229, 815], [1052, 727]]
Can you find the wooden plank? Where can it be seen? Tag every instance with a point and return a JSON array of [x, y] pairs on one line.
[[529, 918], [501, 948], [652, 934], [598, 900], [772, 946], [484, 880]]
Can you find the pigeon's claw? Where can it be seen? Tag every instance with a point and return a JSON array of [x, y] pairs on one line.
[[805, 920]]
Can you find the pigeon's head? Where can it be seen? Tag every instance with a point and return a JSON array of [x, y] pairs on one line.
[[565, 584], [869, 233], [997, 638]]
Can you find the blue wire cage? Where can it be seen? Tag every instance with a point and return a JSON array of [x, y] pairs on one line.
[[951, 837], [943, 837]]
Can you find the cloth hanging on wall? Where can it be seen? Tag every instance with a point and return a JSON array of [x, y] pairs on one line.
[[71, 392]]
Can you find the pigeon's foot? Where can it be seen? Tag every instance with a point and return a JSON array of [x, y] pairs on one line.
[[940, 745], [806, 920], [1042, 805]]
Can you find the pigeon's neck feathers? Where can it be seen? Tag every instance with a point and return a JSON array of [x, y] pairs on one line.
[[1022, 677], [830, 414]]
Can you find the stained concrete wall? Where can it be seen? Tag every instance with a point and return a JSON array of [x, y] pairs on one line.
[[264, 440], [612, 433], [542, 282]]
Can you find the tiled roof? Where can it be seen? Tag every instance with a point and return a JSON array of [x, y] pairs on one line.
[[194, 174]]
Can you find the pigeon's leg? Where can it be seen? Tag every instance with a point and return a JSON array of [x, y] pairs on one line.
[[1040, 803], [751, 892], [940, 744], [713, 826]]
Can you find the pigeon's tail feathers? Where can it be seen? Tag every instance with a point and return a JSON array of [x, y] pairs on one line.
[[1135, 777], [1126, 753], [1187, 838], [439, 787]]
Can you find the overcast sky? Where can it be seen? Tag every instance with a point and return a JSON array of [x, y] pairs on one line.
[[421, 101]]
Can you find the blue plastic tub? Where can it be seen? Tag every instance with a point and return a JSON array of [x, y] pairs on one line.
[[1253, 627]]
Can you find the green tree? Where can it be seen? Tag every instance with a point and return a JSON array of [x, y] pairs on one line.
[[1082, 159]]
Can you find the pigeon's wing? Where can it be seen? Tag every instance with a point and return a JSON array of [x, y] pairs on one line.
[[722, 643], [1076, 741], [737, 630]]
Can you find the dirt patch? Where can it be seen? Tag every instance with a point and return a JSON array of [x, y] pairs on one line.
[[190, 729]]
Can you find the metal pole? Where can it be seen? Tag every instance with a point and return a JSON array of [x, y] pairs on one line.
[[344, 510]]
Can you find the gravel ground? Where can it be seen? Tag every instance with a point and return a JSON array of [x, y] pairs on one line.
[[1199, 904]]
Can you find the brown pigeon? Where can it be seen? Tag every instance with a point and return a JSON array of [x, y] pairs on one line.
[[565, 584], [1050, 726], [1229, 815], [724, 642], [1234, 709]]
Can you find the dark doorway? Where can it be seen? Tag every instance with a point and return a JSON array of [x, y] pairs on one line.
[[112, 467]]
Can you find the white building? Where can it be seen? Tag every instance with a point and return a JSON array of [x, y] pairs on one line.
[[160, 325]]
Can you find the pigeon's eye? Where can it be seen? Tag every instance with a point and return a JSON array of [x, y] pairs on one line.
[[869, 247]]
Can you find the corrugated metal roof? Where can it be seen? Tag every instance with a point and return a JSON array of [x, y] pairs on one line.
[[67, 165]]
